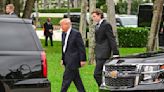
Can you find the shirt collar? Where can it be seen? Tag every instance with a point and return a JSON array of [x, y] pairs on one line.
[[48, 22], [69, 30], [11, 13], [101, 21]]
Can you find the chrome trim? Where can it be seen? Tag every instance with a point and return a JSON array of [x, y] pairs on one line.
[[103, 76], [151, 72], [138, 68], [154, 82]]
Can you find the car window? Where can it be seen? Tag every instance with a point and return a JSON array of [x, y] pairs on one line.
[[129, 21], [16, 37]]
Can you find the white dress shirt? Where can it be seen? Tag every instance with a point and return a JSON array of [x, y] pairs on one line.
[[99, 23], [66, 39]]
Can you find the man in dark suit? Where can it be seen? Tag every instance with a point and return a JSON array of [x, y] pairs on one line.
[[73, 56], [48, 31], [105, 43], [10, 9]]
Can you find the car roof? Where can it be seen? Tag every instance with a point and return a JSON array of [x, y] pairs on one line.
[[13, 18]]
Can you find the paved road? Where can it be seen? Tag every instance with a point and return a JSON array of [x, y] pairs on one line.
[[56, 35]]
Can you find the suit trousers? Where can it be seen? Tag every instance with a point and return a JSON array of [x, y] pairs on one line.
[[98, 70], [46, 40], [68, 77]]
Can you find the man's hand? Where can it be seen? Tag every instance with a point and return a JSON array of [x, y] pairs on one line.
[[61, 62], [115, 57], [82, 63]]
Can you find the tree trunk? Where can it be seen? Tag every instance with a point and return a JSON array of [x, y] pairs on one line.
[[156, 20], [83, 21], [59, 3], [45, 4], [129, 7], [111, 17], [72, 3], [68, 6], [91, 33], [28, 8], [76, 3], [24, 4], [79, 2]]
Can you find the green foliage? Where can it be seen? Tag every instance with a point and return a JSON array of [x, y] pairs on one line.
[[121, 7], [55, 21], [135, 5], [104, 8], [100, 3], [132, 37], [61, 10]]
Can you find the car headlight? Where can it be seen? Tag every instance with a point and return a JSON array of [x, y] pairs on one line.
[[150, 74]]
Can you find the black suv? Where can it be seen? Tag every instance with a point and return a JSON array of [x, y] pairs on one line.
[[135, 73], [23, 66]]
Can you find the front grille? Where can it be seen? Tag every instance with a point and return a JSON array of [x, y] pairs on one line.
[[118, 82], [120, 68]]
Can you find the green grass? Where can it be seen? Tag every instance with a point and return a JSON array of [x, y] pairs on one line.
[[55, 70]]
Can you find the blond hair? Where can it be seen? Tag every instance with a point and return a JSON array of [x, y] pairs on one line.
[[65, 20]]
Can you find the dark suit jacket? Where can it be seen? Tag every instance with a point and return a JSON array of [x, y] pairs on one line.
[[47, 27], [75, 50], [105, 41]]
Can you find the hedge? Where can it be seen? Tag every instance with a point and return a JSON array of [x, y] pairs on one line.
[[61, 10], [55, 21], [132, 37]]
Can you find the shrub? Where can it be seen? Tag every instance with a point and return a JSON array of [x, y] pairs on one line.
[[132, 37], [61, 10], [55, 21]]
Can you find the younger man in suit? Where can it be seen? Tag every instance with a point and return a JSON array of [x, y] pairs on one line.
[[105, 43], [73, 56]]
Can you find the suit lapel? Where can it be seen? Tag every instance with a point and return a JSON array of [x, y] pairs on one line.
[[98, 29], [101, 24]]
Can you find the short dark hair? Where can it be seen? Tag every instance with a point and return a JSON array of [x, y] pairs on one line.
[[98, 12]]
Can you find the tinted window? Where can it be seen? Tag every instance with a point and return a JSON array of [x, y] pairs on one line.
[[16, 37], [145, 15], [129, 21]]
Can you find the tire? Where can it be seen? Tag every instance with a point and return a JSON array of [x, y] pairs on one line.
[[2, 88]]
